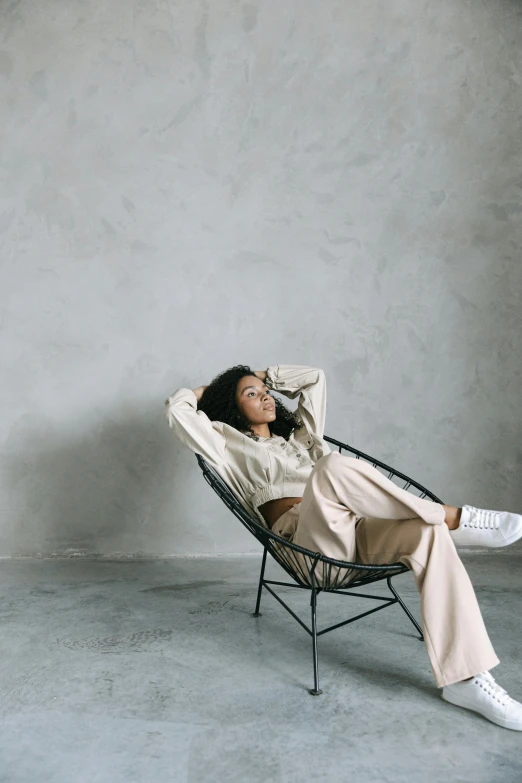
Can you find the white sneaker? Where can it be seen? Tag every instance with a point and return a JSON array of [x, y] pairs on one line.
[[481, 527], [482, 694]]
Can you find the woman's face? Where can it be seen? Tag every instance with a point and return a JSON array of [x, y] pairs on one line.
[[255, 401]]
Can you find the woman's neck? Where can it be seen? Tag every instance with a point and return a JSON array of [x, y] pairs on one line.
[[263, 430]]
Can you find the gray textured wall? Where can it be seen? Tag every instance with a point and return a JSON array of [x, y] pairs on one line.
[[189, 185]]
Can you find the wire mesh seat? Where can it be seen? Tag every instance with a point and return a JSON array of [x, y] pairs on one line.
[[314, 571]]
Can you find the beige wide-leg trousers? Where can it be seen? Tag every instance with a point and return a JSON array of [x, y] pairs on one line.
[[351, 511]]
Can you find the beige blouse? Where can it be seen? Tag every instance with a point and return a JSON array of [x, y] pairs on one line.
[[268, 468]]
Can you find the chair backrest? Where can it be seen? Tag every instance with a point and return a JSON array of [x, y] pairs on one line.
[[302, 564]]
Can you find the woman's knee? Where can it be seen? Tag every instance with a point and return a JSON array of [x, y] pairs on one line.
[[351, 472], [335, 462]]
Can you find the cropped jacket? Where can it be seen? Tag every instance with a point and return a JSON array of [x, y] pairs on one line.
[[268, 468]]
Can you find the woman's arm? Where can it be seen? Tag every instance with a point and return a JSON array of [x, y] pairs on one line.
[[307, 383], [193, 427]]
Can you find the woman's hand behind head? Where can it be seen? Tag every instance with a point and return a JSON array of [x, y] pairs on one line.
[[199, 392]]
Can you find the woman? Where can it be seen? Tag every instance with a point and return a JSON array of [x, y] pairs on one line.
[[282, 470]]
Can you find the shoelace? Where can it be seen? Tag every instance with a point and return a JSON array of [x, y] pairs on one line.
[[485, 681], [483, 519]]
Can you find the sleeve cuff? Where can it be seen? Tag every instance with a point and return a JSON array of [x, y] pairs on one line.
[[272, 375], [182, 395]]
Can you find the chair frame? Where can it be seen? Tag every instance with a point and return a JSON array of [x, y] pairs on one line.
[[338, 576]]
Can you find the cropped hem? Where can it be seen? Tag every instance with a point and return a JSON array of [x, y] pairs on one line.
[[271, 492]]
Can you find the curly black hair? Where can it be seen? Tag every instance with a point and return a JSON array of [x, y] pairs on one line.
[[218, 401]]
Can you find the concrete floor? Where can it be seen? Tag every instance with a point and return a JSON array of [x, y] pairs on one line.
[[131, 671]]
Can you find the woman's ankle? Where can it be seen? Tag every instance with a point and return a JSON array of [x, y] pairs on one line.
[[452, 518]]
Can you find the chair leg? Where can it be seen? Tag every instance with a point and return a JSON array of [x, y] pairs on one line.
[[257, 613], [401, 602], [315, 691]]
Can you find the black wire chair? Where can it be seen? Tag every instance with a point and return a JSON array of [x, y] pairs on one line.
[[312, 570]]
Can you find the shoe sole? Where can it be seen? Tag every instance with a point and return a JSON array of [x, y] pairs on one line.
[[506, 724], [512, 540], [506, 542]]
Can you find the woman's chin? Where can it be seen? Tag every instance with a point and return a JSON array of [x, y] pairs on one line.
[[268, 420]]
